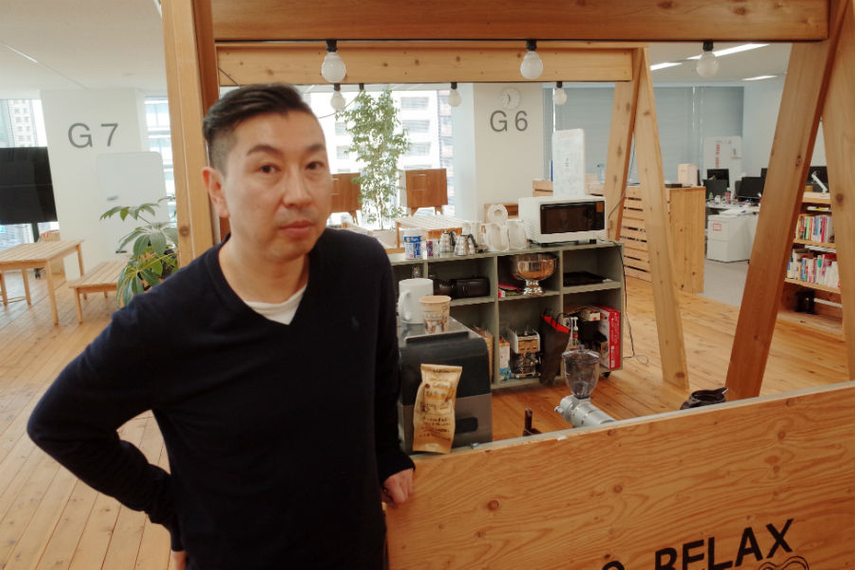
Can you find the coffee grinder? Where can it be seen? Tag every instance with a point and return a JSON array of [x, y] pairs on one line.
[[581, 373], [525, 349]]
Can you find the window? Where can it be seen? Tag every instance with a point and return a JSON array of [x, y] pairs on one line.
[[414, 103], [341, 152], [419, 149], [416, 127], [340, 128]]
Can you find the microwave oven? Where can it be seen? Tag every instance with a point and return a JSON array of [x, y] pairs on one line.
[[550, 219]]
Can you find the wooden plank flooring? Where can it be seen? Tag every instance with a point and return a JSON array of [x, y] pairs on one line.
[[48, 519]]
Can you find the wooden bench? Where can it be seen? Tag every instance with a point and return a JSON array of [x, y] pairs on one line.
[[102, 278]]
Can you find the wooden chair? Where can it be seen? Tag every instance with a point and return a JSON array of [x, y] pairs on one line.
[[426, 188], [345, 197]]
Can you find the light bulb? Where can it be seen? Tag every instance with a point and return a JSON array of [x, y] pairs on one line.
[[531, 66], [333, 68], [454, 98], [708, 63], [559, 96], [337, 102]]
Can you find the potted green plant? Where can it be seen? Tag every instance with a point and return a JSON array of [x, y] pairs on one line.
[[154, 253], [378, 142]]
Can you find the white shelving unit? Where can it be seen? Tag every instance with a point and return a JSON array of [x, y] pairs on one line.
[[493, 312]]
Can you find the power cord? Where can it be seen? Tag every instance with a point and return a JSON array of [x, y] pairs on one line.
[[641, 358]]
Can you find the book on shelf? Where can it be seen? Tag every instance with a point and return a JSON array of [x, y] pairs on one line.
[[812, 267], [816, 228]]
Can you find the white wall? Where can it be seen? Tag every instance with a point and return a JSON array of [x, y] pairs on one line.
[[74, 170], [506, 158], [762, 102]]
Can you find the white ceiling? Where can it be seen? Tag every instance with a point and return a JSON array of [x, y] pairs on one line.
[[101, 44]]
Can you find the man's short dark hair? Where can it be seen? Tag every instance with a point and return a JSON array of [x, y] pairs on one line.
[[243, 103]]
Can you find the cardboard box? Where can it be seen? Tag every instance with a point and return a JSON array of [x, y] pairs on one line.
[[488, 338], [609, 326], [687, 174], [504, 359]]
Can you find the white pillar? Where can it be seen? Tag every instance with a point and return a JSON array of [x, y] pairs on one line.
[[80, 126]]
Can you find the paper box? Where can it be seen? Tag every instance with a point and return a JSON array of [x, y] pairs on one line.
[[504, 359], [609, 327], [687, 174]]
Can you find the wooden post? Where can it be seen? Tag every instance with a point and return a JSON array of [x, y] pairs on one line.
[[620, 145], [798, 118], [665, 303], [195, 230], [838, 129]]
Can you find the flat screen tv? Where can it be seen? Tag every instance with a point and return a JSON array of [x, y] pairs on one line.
[[26, 189], [719, 174]]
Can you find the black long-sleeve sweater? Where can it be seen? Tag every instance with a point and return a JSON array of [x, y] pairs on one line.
[[278, 436]]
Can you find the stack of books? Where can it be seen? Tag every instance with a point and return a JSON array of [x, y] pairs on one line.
[[816, 228], [812, 267]]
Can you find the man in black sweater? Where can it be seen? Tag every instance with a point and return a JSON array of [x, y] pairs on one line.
[[276, 379]]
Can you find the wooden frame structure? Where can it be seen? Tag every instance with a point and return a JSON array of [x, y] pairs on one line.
[[386, 40]]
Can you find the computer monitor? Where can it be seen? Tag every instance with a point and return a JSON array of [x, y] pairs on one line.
[[750, 189], [715, 188], [719, 174]]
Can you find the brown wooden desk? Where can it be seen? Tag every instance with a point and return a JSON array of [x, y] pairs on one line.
[[35, 255]]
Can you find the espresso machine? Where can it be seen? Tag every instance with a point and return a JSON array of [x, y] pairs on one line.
[[581, 373], [525, 353]]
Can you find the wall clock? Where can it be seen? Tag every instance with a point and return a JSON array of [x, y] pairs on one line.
[[509, 98]]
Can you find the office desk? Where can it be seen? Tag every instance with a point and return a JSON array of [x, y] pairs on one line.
[[35, 255], [721, 207]]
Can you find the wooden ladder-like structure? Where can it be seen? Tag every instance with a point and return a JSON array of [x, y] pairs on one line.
[[512, 504]]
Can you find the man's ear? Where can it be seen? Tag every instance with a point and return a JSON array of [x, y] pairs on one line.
[[214, 183]]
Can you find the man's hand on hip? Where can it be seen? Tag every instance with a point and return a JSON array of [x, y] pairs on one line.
[[398, 487]]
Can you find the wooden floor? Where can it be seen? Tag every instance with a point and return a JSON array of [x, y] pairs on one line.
[[50, 520]]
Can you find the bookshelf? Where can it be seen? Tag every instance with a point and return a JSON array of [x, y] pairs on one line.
[[813, 264]]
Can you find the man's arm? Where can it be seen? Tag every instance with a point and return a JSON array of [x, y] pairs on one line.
[[391, 459], [76, 421]]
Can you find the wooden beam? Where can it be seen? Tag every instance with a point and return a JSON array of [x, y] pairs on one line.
[[692, 481], [665, 303], [421, 62], [838, 128], [620, 144], [195, 230], [209, 84], [207, 53], [798, 119], [653, 20]]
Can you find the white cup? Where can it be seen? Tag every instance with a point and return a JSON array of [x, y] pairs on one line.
[[409, 293]]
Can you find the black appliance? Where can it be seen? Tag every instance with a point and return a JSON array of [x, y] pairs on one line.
[[459, 346]]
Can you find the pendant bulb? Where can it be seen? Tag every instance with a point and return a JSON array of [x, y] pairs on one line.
[[454, 98]]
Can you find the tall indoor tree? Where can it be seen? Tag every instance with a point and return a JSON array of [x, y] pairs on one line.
[[377, 142]]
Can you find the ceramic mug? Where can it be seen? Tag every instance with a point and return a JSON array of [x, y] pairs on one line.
[[410, 291]]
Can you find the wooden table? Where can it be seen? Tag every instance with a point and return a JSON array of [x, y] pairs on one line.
[[35, 255]]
